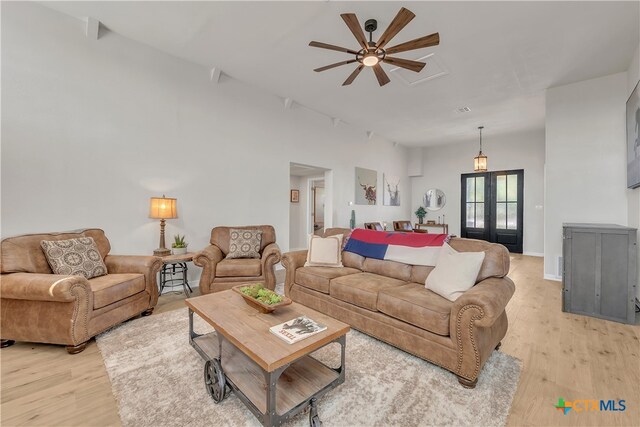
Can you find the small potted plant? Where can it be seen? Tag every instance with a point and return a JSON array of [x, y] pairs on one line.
[[179, 246], [421, 213]]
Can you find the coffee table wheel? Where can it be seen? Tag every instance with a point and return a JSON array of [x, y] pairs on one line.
[[214, 380], [315, 422], [314, 419]]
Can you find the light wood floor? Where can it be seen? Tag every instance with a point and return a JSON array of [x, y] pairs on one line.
[[563, 355]]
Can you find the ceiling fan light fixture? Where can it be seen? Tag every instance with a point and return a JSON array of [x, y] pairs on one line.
[[480, 161], [370, 59]]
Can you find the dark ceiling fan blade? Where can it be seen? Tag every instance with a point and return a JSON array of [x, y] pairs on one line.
[[353, 75], [332, 47], [403, 17], [337, 64], [352, 22], [382, 77], [405, 63], [426, 41]]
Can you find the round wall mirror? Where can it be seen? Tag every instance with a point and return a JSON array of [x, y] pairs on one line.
[[434, 199]]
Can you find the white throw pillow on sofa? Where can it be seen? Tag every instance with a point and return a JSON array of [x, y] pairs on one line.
[[324, 251], [455, 272]]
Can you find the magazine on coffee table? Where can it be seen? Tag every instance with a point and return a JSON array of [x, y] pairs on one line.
[[297, 329]]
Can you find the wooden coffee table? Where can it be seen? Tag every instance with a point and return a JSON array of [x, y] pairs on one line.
[[275, 380]]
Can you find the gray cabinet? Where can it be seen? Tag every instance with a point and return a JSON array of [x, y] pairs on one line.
[[599, 271]]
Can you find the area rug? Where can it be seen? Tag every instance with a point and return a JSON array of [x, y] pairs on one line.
[[157, 379]]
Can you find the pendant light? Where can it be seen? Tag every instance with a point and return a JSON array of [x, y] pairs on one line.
[[480, 161]]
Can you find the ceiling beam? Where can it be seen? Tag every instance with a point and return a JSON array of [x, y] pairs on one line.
[[215, 74], [92, 28]]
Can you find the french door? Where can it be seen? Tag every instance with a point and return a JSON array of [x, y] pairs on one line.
[[492, 206]]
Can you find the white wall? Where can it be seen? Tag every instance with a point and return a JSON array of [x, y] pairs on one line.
[[92, 129], [633, 196], [296, 213], [443, 165], [585, 158]]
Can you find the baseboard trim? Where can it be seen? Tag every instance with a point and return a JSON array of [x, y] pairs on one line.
[[553, 277], [538, 254]]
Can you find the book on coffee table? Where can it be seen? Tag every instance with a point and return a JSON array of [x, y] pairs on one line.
[[297, 329]]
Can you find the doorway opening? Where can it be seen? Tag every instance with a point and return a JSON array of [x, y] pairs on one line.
[[492, 205], [311, 213]]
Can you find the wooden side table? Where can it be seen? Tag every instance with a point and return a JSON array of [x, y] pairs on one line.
[[424, 228], [174, 265]]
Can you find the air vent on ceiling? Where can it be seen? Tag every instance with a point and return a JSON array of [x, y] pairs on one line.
[[434, 69], [463, 110]]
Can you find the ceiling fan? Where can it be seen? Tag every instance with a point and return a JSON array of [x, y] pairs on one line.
[[373, 53]]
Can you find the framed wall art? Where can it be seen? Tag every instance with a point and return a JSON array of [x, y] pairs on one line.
[[366, 186]]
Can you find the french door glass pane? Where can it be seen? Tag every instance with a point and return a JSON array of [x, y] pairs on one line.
[[512, 188], [479, 215], [512, 216], [501, 216], [480, 189], [471, 190], [470, 214], [501, 187]]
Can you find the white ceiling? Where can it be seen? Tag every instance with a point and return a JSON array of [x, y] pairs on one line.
[[500, 56]]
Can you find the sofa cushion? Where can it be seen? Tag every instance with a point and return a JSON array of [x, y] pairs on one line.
[[349, 259], [394, 269], [23, 254], [324, 251], [115, 287], [419, 273], [249, 267], [220, 236], [317, 278], [496, 260], [74, 257], [244, 243], [414, 304], [455, 273], [361, 289]]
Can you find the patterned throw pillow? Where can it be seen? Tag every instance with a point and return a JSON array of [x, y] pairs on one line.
[[244, 243], [74, 257]]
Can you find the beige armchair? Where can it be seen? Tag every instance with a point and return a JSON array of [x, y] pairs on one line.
[[39, 306], [219, 273]]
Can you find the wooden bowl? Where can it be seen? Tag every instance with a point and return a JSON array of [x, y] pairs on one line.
[[259, 305]]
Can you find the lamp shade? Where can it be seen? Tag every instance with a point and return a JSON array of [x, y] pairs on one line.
[[480, 163], [163, 208]]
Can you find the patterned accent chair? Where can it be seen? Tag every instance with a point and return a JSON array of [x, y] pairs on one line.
[[219, 273], [402, 226], [373, 226], [39, 306]]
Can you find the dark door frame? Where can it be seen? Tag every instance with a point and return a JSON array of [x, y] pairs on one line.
[[490, 232]]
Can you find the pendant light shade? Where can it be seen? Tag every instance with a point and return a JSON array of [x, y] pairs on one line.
[[480, 161]]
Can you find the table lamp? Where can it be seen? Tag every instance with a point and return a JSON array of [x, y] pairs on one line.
[[162, 208]]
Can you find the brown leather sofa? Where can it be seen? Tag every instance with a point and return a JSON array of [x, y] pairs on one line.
[[39, 306], [219, 274], [388, 300]]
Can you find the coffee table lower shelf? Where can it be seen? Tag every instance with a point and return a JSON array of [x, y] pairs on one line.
[[273, 397]]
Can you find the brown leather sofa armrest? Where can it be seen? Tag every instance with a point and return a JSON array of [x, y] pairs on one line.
[[44, 287], [208, 259], [291, 262], [271, 255], [211, 255], [133, 264], [141, 264], [489, 297]]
